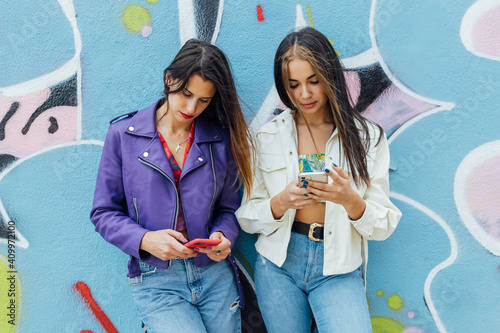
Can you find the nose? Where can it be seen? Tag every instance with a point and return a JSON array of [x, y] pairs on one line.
[[305, 93], [191, 105]]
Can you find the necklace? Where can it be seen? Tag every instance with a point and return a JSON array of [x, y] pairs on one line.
[[166, 137]]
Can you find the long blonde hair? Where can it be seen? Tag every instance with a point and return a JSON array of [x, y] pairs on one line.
[[312, 46]]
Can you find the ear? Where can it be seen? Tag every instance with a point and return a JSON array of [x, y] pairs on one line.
[[168, 79]]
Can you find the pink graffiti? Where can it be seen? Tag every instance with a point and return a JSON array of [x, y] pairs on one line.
[[15, 143], [485, 33], [413, 329], [394, 107], [482, 196]]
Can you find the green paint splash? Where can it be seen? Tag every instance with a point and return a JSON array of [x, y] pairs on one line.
[[309, 15], [136, 17], [395, 302], [386, 325]]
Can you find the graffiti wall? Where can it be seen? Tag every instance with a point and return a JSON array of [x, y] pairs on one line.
[[427, 71]]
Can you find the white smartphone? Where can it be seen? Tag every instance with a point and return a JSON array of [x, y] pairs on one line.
[[321, 177]]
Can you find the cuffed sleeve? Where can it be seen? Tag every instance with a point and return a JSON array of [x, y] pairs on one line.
[[381, 216], [254, 214]]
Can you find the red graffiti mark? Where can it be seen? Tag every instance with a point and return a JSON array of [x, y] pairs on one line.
[[260, 16], [86, 331], [85, 293]]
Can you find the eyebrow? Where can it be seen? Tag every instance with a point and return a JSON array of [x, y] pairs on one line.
[[306, 79], [193, 94]]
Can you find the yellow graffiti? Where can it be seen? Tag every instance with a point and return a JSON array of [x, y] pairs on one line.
[[10, 300], [309, 15], [386, 325], [136, 17], [395, 302], [311, 23], [152, 1], [380, 293]]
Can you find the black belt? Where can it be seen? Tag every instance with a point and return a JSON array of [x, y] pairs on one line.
[[314, 231]]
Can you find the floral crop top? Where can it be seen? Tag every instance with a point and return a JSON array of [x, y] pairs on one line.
[[311, 162]]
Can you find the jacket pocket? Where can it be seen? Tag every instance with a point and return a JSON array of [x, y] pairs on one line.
[[271, 162]]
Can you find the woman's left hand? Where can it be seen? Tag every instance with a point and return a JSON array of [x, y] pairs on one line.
[[338, 191], [219, 252]]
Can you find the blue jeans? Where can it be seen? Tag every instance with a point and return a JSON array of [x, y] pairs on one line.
[[186, 298], [288, 295]]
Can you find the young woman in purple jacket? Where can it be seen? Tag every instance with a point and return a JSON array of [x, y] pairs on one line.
[[169, 174]]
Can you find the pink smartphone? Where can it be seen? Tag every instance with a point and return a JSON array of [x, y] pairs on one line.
[[202, 242]]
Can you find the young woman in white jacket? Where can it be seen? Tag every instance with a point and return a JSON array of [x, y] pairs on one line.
[[312, 244]]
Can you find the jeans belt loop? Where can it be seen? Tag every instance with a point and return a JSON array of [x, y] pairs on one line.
[[311, 231], [136, 278]]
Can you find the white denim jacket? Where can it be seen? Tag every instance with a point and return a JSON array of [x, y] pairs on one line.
[[276, 165]]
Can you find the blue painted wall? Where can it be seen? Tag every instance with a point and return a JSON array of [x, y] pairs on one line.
[[427, 71]]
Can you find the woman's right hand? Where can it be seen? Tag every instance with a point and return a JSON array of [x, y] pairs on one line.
[[292, 196], [165, 244]]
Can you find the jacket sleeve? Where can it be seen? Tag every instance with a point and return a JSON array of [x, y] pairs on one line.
[[255, 215], [227, 202], [109, 211], [381, 216]]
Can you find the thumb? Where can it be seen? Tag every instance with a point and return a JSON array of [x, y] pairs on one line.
[[177, 235]]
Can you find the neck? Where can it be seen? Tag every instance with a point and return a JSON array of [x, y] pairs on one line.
[[318, 118], [168, 122]]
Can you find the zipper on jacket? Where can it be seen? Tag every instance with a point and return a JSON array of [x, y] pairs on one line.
[[136, 211], [176, 197], [215, 187]]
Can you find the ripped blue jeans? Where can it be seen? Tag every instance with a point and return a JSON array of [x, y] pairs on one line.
[[186, 298], [290, 294]]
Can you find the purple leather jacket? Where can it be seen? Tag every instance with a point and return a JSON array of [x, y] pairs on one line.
[[135, 190]]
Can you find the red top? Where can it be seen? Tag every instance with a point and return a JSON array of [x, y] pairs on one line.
[[181, 222]]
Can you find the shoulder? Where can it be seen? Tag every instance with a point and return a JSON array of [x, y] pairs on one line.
[[372, 132], [272, 126], [223, 133], [122, 117]]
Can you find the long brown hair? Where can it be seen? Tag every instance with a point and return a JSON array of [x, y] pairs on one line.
[[312, 46], [209, 62]]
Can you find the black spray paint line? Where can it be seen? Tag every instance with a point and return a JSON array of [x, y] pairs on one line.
[[374, 82], [13, 108], [63, 94], [206, 13]]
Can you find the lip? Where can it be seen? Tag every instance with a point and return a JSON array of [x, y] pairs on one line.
[[186, 116], [309, 105]]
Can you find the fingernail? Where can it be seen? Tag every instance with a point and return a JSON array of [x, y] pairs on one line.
[[209, 248], [304, 186], [306, 194], [327, 170], [335, 165], [306, 182], [184, 239], [196, 249], [197, 254]]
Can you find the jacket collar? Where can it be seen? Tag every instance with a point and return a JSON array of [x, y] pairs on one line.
[[143, 123]]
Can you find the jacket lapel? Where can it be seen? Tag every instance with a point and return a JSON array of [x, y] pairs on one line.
[[143, 124], [204, 132]]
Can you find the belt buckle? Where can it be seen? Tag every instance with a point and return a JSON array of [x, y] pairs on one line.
[[312, 226]]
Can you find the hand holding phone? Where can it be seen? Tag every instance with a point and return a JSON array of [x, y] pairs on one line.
[[320, 176], [202, 242]]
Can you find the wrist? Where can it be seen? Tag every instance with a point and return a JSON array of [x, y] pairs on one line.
[[144, 241], [355, 207], [277, 206]]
